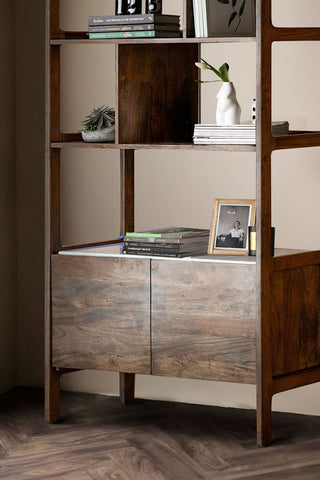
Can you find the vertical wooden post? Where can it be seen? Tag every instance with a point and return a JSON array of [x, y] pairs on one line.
[[127, 190], [52, 201], [127, 380], [264, 258]]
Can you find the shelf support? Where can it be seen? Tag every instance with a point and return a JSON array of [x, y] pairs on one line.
[[127, 191], [127, 383], [264, 259]]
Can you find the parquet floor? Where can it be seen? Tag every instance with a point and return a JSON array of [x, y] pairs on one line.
[[98, 438]]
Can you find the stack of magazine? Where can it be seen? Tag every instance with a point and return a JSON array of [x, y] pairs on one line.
[[149, 25], [242, 134], [167, 242]]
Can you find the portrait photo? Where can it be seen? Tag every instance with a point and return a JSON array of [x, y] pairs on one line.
[[229, 226]]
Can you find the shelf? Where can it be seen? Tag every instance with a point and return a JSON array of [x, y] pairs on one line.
[[296, 139], [88, 41], [155, 146], [296, 34], [284, 258]]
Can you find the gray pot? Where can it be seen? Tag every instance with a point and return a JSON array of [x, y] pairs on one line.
[[99, 136]]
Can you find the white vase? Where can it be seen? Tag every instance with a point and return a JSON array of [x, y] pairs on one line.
[[228, 109]]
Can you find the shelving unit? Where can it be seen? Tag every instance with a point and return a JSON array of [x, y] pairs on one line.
[[123, 313]]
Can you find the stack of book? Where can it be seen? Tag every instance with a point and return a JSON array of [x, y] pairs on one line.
[[167, 242], [149, 25], [242, 134]]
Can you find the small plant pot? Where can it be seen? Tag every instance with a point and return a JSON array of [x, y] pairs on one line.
[[99, 136]]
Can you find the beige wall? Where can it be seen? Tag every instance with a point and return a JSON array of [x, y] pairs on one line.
[[8, 349], [30, 187], [172, 188]]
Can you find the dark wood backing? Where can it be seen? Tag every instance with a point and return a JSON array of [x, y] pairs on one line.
[[158, 95]]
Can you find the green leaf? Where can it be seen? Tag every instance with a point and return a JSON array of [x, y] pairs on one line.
[[232, 17], [242, 8], [224, 1], [234, 3], [224, 72]]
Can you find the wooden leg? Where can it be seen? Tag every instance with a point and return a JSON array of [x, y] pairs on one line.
[[52, 396], [264, 413], [126, 388]]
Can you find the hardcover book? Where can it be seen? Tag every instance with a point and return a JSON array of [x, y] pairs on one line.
[[128, 28], [142, 34], [171, 232], [132, 19]]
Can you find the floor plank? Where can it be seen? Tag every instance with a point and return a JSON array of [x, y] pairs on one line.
[[99, 439]]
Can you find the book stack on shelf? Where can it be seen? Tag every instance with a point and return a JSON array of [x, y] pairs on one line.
[[242, 134], [167, 242], [149, 25]]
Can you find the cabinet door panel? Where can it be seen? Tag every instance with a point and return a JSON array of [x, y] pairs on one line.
[[101, 313], [203, 320]]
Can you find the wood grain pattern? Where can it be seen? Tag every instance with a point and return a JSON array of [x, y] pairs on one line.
[[81, 38], [203, 321], [158, 95], [263, 220], [99, 439], [155, 146], [101, 313], [296, 320]]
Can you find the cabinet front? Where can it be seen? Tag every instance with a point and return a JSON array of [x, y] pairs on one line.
[[101, 313], [203, 320]]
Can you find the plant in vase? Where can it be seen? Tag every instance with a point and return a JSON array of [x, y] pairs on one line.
[[228, 109], [99, 125]]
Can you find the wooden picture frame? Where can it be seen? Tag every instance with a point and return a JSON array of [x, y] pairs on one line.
[[229, 226], [228, 19]]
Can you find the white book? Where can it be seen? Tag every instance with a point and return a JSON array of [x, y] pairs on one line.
[[201, 9], [196, 19], [205, 18]]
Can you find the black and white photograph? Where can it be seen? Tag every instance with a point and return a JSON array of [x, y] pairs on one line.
[[229, 228]]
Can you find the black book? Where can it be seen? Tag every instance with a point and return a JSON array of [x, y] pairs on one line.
[[134, 247], [156, 18], [171, 241], [125, 251], [167, 27]]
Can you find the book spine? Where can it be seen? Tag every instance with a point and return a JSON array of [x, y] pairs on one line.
[[201, 18], [133, 19], [205, 18], [153, 254], [130, 28], [132, 249], [143, 34], [196, 18]]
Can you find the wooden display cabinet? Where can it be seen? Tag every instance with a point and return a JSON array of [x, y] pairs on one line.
[[254, 321]]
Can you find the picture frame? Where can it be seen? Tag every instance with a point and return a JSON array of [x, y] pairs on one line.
[[229, 19], [231, 219]]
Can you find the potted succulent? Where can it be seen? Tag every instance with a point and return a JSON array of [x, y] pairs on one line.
[[99, 125]]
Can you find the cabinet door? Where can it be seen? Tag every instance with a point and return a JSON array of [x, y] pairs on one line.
[[203, 320], [101, 313]]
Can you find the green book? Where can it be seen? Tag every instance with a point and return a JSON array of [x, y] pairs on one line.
[[171, 232], [142, 34]]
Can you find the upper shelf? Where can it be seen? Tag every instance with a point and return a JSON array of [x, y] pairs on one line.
[[155, 146], [82, 39]]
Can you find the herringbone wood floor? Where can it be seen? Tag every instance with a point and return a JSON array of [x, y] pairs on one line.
[[98, 438]]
